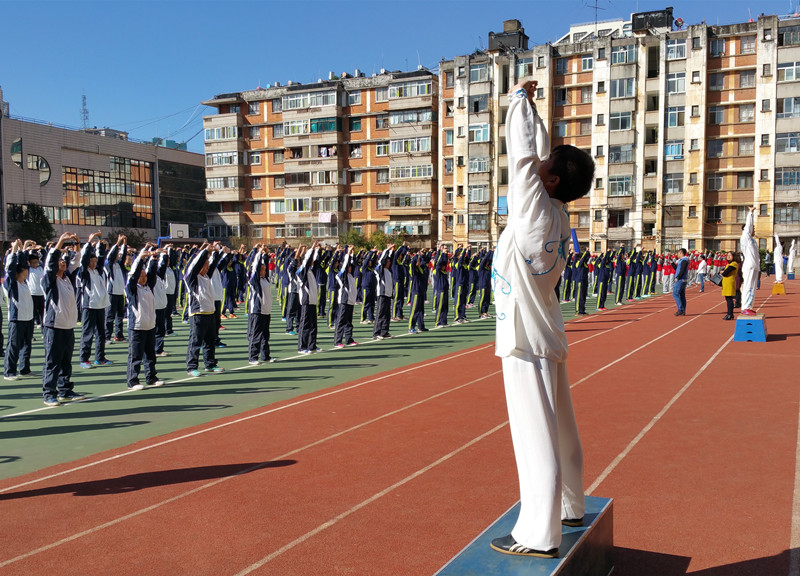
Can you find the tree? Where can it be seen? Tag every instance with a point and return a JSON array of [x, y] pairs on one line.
[[29, 222], [136, 238]]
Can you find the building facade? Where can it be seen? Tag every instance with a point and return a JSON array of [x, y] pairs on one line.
[[318, 160], [688, 127], [98, 179]]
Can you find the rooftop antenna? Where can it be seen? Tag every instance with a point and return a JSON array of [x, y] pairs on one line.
[[596, 7], [84, 113], [419, 62]]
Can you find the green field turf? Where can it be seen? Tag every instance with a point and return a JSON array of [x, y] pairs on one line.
[[33, 436]]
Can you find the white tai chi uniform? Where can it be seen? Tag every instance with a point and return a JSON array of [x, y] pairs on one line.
[[778, 254], [751, 265], [792, 254], [531, 340]]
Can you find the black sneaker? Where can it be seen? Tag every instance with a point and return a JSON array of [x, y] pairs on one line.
[[51, 401], [572, 522], [507, 545], [70, 396]]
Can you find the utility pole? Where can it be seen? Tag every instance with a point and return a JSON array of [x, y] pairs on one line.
[[84, 113]]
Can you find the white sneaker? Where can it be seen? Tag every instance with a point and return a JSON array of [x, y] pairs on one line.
[[157, 383], [11, 377], [136, 387], [254, 362], [163, 354]]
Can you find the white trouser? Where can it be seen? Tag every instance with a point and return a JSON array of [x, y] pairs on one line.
[[547, 448], [750, 276]]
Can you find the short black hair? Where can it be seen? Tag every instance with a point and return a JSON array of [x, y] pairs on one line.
[[575, 170], [683, 251]]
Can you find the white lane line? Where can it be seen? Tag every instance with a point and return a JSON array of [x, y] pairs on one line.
[[152, 507], [645, 345], [368, 501], [243, 419], [610, 468]]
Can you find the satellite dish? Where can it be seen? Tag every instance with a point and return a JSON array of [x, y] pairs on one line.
[[679, 22]]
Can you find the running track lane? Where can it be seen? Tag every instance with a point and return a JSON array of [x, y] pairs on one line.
[[463, 490]]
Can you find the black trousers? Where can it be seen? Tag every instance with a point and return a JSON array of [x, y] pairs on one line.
[[161, 328], [259, 336], [38, 309], [344, 325], [292, 311], [114, 315], [93, 325], [59, 344], [620, 291], [333, 308], [217, 321], [729, 301], [202, 330], [172, 300], [602, 292], [20, 337], [417, 312], [441, 306], [141, 347], [383, 316], [368, 304], [321, 298], [307, 337], [486, 299], [461, 302], [399, 299]]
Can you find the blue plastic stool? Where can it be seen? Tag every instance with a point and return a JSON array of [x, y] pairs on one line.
[[751, 329]]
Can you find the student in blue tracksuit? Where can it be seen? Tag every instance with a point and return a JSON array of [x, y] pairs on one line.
[[679, 288], [115, 273], [621, 272], [485, 282], [259, 309], [200, 303], [334, 266], [580, 278], [602, 278], [60, 317], [309, 293], [461, 262], [474, 267], [160, 297], [346, 294], [292, 310], [400, 261], [383, 291], [568, 278], [419, 265], [142, 279], [171, 286], [93, 295], [323, 262], [441, 287], [20, 315], [368, 287]]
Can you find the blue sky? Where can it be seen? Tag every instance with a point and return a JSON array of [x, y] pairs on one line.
[[146, 65]]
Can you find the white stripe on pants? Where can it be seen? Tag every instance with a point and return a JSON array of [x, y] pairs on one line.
[[547, 448]]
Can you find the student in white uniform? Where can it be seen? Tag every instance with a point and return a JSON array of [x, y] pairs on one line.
[[142, 280], [751, 266], [530, 337], [778, 260], [792, 255]]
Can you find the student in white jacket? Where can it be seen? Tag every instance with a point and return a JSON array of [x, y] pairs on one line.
[[530, 337]]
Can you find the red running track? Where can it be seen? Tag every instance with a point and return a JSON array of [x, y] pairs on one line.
[[694, 437]]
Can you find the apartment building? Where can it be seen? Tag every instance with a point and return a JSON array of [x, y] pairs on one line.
[[688, 126], [98, 179], [317, 160]]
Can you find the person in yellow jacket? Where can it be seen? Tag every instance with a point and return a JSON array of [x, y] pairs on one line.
[[729, 284]]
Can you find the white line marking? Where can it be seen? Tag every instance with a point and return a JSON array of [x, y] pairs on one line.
[[610, 468], [256, 467], [645, 345], [239, 420], [370, 500]]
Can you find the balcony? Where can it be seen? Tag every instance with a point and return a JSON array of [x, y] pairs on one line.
[[225, 194], [617, 202], [725, 230], [787, 195], [412, 102], [620, 233], [787, 229], [226, 218], [649, 214], [674, 199]]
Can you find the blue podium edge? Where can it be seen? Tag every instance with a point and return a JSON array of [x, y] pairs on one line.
[[596, 509]]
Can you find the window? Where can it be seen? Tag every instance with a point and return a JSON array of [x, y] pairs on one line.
[[479, 133], [788, 176], [765, 139], [787, 142], [478, 73], [355, 150], [562, 66], [693, 178], [223, 159], [354, 98], [478, 103], [715, 181], [254, 133], [382, 176], [675, 116], [448, 165], [448, 79], [598, 215], [766, 70], [747, 113], [410, 89], [620, 120], [622, 88], [560, 129], [765, 105], [234, 109], [713, 214], [695, 111], [253, 108], [619, 185], [411, 145], [448, 195], [747, 146], [255, 207], [539, 93], [478, 165], [762, 210], [382, 94], [747, 79], [618, 154], [601, 120], [695, 42], [586, 126], [222, 133], [478, 221], [764, 175], [461, 71], [355, 124], [303, 100], [279, 182], [277, 206], [789, 72], [673, 150], [355, 204], [787, 213], [587, 62], [524, 67], [599, 153], [355, 177], [715, 148], [540, 62], [560, 96], [747, 45], [448, 222], [277, 131], [601, 87], [586, 94], [676, 49], [297, 179], [382, 149], [410, 116], [696, 77], [583, 219], [694, 144], [716, 115], [409, 172], [692, 211], [622, 54], [789, 36], [298, 204], [617, 218], [382, 122], [673, 183], [767, 33], [277, 106], [601, 53], [478, 193], [598, 182], [716, 47], [676, 83], [255, 183], [460, 131], [744, 180], [788, 107], [716, 81]]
